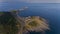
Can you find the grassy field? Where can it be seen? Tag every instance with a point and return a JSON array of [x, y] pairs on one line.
[[7, 23]]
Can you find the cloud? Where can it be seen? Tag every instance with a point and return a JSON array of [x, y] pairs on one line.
[[32, 1], [0, 0], [40, 1]]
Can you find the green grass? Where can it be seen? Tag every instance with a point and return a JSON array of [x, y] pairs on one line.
[[6, 22], [1, 13], [2, 29]]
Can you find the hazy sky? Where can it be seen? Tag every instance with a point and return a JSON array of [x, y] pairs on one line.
[[32, 1]]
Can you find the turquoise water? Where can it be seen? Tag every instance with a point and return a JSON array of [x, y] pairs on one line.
[[49, 11]]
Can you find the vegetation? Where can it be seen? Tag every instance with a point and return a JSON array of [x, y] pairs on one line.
[[7, 21], [1, 13], [10, 23]]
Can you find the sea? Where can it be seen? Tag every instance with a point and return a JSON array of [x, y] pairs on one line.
[[49, 11]]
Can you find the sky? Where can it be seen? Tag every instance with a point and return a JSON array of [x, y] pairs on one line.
[[5, 4], [32, 1]]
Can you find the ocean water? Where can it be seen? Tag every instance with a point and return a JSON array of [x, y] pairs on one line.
[[49, 11], [52, 14]]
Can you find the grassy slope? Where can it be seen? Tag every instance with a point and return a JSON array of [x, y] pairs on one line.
[[5, 24]]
